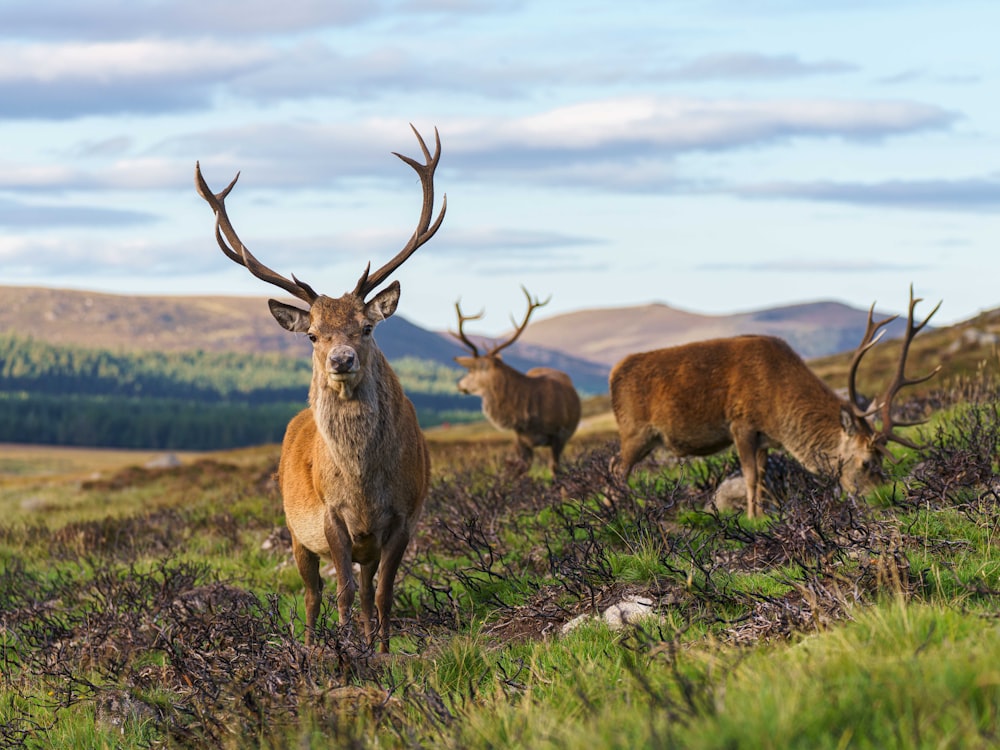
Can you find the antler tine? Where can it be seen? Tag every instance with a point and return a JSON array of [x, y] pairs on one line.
[[461, 331], [425, 230], [533, 304], [236, 251], [867, 342], [900, 380]]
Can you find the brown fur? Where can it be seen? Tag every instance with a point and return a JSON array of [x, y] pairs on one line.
[[354, 467], [751, 391], [541, 406]]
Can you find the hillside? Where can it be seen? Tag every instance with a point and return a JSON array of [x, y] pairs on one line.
[[606, 335], [585, 344], [227, 324]]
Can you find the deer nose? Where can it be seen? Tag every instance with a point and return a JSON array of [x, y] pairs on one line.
[[342, 360]]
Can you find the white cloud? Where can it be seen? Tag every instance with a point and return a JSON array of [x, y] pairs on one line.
[[106, 63]]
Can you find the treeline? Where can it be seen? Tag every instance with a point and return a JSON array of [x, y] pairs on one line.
[[192, 400]]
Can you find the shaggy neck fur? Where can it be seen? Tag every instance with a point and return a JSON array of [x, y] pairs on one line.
[[352, 421], [818, 441]]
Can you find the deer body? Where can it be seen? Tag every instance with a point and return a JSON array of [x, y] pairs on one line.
[[353, 474], [354, 468], [753, 392], [541, 406]]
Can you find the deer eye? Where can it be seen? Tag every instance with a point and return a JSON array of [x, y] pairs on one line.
[[311, 336], [367, 329]]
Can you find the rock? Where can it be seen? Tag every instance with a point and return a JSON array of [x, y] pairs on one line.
[[631, 610], [731, 495], [166, 461]]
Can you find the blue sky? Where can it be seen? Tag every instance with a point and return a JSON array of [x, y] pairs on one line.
[[717, 156]]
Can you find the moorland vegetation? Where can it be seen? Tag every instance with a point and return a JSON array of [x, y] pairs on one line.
[[160, 607]]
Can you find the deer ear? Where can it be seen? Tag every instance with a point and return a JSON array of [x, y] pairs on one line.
[[384, 303], [848, 421], [290, 318]]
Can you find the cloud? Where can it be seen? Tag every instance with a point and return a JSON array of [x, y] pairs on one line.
[[149, 76], [813, 266], [20, 215], [971, 194], [91, 256], [116, 19], [616, 143], [624, 144], [753, 66]]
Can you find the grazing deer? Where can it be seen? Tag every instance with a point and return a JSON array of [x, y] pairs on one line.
[[754, 391], [541, 406], [354, 466]]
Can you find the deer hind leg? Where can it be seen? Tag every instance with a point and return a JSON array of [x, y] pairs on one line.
[[558, 443], [307, 562], [752, 453]]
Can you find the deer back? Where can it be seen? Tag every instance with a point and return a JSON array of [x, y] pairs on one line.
[[693, 393]]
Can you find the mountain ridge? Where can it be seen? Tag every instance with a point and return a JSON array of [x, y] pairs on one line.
[[584, 343]]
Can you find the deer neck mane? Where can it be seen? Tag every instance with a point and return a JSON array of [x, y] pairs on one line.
[[816, 437], [355, 428], [507, 397]]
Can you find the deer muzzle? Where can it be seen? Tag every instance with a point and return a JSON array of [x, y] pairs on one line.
[[342, 362]]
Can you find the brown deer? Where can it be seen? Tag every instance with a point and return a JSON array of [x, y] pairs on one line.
[[696, 399], [354, 466], [541, 405]]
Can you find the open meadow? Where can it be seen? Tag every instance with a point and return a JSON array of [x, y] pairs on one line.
[[159, 607]]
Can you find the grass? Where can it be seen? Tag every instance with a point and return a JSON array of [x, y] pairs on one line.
[[140, 608]]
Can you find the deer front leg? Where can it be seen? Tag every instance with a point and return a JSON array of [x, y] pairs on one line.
[[524, 451], [635, 446], [307, 562], [392, 555], [367, 592], [339, 541]]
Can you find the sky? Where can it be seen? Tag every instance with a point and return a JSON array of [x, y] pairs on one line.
[[718, 156]]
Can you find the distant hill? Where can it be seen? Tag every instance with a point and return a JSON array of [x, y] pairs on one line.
[[228, 324], [585, 344], [608, 334]]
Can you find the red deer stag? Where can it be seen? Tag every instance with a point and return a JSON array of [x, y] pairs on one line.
[[354, 466], [754, 391], [541, 406]]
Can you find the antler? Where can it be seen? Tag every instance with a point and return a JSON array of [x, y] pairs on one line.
[[239, 253], [867, 342], [461, 333], [900, 380], [425, 230], [533, 304]]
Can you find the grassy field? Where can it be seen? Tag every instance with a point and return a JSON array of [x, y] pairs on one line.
[[159, 607]]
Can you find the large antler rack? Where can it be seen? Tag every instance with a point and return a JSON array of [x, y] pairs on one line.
[[901, 381], [425, 230], [533, 304], [236, 251], [462, 319], [883, 406], [867, 342]]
